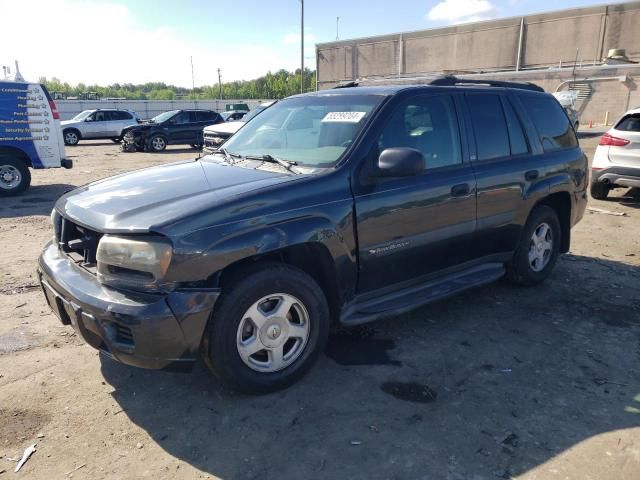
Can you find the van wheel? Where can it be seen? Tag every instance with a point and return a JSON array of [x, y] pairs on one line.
[[71, 137], [157, 143], [267, 330], [538, 250], [15, 177], [599, 190]]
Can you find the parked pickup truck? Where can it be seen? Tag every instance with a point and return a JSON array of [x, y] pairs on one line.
[[335, 207]]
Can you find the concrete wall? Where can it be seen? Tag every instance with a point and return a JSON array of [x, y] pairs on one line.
[[145, 108], [543, 40]]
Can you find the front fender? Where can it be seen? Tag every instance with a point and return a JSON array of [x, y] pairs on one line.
[[224, 245]]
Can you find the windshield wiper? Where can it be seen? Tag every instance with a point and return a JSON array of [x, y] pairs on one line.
[[287, 164], [231, 158]]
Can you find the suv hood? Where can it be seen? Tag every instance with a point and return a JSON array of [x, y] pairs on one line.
[[152, 197], [227, 127]]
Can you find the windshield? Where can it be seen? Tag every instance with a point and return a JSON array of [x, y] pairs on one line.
[[83, 115], [164, 116], [254, 112], [313, 131]]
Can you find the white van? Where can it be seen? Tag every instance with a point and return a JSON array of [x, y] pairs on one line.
[[30, 134]]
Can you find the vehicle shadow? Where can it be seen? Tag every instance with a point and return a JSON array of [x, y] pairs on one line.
[[492, 383], [630, 198], [37, 200]]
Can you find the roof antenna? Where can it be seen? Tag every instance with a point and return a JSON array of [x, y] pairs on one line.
[[18, 76]]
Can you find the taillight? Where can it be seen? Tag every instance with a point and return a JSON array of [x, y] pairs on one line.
[[54, 110], [611, 141]]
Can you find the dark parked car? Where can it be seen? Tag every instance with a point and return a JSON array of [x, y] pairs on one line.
[[335, 207], [177, 127]]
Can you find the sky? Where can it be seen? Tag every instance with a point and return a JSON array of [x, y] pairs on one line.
[[136, 41]]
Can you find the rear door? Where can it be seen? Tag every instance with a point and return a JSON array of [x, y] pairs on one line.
[[628, 128], [410, 227], [506, 164]]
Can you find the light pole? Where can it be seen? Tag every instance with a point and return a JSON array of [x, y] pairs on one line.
[[301, 46]]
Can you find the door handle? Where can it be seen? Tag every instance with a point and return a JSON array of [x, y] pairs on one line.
[[460, 190], [531, 175]]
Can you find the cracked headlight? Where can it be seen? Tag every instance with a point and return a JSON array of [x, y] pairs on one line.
[[134, 263]]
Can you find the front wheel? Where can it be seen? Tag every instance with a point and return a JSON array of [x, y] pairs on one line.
[[116, 139], [267, 330], [15, 177], [157, 143], [71, 137], [538, 250]]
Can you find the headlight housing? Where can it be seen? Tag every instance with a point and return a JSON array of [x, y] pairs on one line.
[[134, 263]]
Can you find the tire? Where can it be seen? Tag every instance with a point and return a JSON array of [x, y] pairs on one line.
[[116, 139], [157, 143], [231, 325], [522, 270], [71, 136], [599, 190], [15, 177], [197, 146]]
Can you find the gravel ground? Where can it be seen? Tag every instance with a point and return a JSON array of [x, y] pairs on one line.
[[499, 382]]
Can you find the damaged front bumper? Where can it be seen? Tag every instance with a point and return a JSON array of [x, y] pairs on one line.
[[155, 331]]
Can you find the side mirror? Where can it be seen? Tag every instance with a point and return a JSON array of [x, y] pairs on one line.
[[400, 162]]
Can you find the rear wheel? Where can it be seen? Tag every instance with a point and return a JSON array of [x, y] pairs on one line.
[[538, 250], [599, 190], [15, 177], [268, 329], [71, 137]]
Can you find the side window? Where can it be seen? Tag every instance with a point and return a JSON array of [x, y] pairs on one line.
[[551, 122], [630, 123], [489, 126], [181, 118], [429, 124], [100, 116], [120, 115], [519, 145]]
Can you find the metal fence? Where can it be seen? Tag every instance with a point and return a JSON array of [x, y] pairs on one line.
[[145, 108]]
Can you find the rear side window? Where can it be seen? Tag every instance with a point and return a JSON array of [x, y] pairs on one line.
[[629, 123], [489, 125], [204, 116], [519, 145], [551, 122], [120, 115]]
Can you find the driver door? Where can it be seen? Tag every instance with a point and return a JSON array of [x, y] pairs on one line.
[[409, 227]]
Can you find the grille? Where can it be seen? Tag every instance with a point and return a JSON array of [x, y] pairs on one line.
[[123, 334], [79, 243]]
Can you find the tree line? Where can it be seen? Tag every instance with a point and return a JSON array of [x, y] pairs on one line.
[[274, 85]]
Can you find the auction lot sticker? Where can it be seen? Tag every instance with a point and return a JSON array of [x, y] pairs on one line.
[[345, 117]]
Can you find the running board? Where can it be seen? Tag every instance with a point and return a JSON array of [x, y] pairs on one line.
[[408, 299]]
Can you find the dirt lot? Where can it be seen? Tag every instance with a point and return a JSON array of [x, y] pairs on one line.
[[499, 382]]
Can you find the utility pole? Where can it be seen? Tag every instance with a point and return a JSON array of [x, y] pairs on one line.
[[193, 82], [219, 84], [301, 46], [337, 28]]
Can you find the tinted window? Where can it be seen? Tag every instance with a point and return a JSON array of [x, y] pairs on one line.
[[517, 139], [489, 125], [120, 115], [630, 123], [182, 117], [428, 124], [551, 122]]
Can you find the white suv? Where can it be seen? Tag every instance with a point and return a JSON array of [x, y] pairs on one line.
[[96, 124], [617, 159]]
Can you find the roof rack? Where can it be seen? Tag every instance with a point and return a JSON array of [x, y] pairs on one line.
[[351, 83], [451, 80]]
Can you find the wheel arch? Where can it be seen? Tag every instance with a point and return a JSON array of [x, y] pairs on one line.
[[561, 203], [313, 258], [16, 153]]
